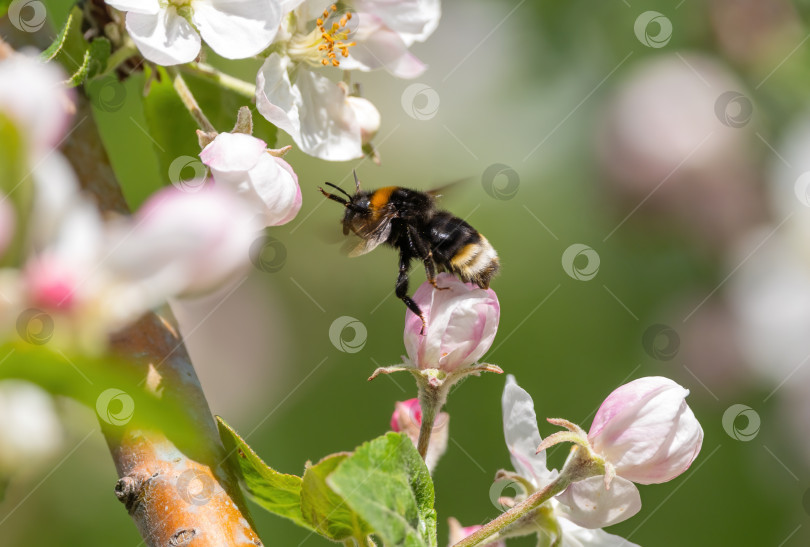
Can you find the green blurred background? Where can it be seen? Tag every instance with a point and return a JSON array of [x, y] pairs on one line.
[[546, 89]]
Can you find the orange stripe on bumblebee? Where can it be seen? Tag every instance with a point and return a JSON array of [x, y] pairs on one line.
[[380, 198]]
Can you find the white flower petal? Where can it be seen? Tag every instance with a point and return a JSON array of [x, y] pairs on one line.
[[164, 38], [577, 536], [329, 128], [233, 152], [380, 47], [522, 436], [276, 98], [413, 20], [275, 185], [590, 505], [236, 29], [135, 6], [30, 429]]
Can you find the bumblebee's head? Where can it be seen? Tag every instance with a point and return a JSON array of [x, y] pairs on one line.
[[358, 206]]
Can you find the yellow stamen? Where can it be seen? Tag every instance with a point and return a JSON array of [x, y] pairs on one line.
[[324, 42]]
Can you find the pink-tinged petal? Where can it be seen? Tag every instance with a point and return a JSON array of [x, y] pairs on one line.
[[407, 418], [182, 243], [329, 128], [577, 536], [135, 6], [233, 152], [164, 38], [589, 504], [462, 321], [276, 98], [405, 413], [413, 20], [275, 184], [7, 222], [33, 95], [647, 431], [236, 29], [380, 47], [51, 283], [522, 435]]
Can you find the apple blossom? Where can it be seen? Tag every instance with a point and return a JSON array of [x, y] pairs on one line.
[[461, 322], [168, 32], [243, 164], [407, 418], [522, 438]]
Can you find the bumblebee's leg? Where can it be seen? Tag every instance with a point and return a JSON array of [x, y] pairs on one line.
[[402, 288], [425, 254]]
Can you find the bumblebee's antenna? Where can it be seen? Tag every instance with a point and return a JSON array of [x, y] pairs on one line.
[[339, 189], [356, 181], [333, 197]]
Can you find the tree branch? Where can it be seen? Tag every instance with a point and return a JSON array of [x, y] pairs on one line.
[[174, 494]]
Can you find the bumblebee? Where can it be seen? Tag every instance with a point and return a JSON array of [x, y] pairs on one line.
[[409, 221]]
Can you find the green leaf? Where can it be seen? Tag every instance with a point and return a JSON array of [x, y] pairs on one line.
[[277, 492], [111, 387], [325, 510], [80, 59], [15, 185], [386, 482]]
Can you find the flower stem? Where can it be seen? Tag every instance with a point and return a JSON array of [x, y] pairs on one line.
[[246, 89], [431, 399], [190, 102], [119, 56]]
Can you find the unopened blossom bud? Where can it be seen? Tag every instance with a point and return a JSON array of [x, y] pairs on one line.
[[646, 431], [30, 430], [245, 165], [459, 532], [407, 418], [368, 117], [461, 319]]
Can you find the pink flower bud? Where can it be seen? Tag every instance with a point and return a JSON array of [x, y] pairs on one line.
[[462, 320], [242, 163], [459, 532], [646, 431], [407, 418]]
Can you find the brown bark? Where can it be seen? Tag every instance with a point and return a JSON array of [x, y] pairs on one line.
[[176, 495]]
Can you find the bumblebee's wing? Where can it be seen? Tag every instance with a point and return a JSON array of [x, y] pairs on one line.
[[441, 190], [371, 234]]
